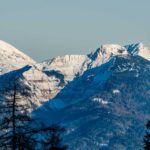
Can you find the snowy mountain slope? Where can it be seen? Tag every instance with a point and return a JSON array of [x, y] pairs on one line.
[[103, 54], [47, 86], [11, 58], [139, 49], [71, 66], [49, 77], [41, 86], [76, 89], [105, 107], [68, 65], [99, 96]]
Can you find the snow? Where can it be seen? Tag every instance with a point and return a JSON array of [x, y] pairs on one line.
[[72, 65], [42, 86], [104, 144], [94, 68], [46, 87], [3, 70], [11, 58], [105, 52], [116, 91], [139, 49], [100, 100], [144, 52], [114, 49], [68, 66]]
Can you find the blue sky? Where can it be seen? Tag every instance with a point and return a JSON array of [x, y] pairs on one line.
[[47, 28]]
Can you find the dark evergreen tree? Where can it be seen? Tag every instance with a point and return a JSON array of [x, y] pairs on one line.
[[147, 137], [54, 140], [15, 122], [18, 131]]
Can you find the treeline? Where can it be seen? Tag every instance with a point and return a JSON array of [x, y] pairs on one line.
[[147, 137], [18, 129]]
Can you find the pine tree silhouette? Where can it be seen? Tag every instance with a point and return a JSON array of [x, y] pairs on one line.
[[147, 137], [54, 140], [18, 130], [14, 125]]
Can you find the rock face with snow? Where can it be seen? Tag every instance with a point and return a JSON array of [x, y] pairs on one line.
[[102, 98], [44, 86], [105, 52], [139, 49], [69, 65], [72, 65], [12, 60]]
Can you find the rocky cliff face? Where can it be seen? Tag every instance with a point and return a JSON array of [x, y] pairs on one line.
[[68, 65], [11, 59]]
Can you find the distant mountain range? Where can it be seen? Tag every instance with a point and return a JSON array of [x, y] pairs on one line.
[[102, 98]]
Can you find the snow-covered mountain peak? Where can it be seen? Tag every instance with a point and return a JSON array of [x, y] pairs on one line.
[[111, 49], [68, 65], [65, 59], [71, 65], [103, 54], [5, 47], [140, 45], [134, 48], [52, 75], [95, 90], [139, 49], [115, 49], [11, 58]]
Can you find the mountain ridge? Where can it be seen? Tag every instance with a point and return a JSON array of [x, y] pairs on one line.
[[105, 107], [102, 98], [52, 75], [11, 58]]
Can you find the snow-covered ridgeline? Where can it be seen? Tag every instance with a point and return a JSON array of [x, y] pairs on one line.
[[68, 65], [71, 65], [49, 77], [11, 58]]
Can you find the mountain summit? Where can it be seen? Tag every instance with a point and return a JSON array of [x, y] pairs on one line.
[[102, 98], [139, 49], [11, 58]]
